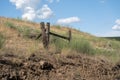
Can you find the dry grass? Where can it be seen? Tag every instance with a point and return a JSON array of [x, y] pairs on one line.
[[69, 64], [60, 67], [19, 44]]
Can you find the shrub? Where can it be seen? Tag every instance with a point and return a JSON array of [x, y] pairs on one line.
[[59, 43], [58, 26], [29, 32], [10, 25], [25, 30], [81, 46]]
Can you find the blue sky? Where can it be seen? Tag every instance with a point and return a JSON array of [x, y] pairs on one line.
[[97, 17]]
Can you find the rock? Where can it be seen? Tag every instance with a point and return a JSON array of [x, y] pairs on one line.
[[46, 65]]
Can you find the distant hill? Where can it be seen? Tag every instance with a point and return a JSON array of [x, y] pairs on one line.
[[114, 38]]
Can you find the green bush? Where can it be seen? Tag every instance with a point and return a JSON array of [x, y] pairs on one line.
[[10, 25], [24, 30], [58, 26], [28, 32], [59, 43], [81, 46], [2, 40], [115, 44]]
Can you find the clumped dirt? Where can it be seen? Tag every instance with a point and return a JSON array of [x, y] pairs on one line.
[[56, 67]]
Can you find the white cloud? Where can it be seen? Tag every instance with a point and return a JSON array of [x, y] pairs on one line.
[[114, 32], [68, 20], [19, 3], [45, 12], [117, 25], [29, 9], [29, 14], [118, 21]]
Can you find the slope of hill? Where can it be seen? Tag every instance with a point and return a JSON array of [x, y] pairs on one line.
[[86, 57]]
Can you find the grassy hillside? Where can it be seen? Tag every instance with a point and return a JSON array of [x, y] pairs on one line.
[[19, 37], [85, 57]]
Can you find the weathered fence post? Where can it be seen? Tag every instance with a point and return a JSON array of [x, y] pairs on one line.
[[70, 35], [48, 31], [44, 35]]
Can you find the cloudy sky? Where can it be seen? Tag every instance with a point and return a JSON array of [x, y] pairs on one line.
[[97, 17]]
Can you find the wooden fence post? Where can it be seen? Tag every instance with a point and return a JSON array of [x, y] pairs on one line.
[[70, 35], [44, 35], [48, 32]]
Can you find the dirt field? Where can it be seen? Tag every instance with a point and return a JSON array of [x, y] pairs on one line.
[[56, 67]]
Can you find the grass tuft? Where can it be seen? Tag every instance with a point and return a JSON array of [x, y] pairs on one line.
[[26, 31], [81, 46], [58, 43], [10, 25]]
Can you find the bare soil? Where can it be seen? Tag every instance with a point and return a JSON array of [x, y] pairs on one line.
[[56, 67]]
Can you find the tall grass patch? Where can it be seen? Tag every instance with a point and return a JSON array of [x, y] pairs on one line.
[[81, 45], [58, 26], [10, 25], [115, 44], [26, 31], [58, 43]]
